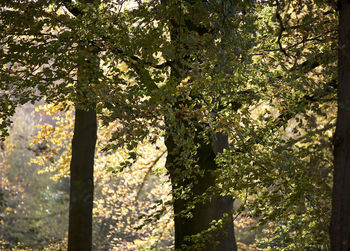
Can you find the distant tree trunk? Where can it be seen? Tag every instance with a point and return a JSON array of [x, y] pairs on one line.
[[206, 210], [340, 221]]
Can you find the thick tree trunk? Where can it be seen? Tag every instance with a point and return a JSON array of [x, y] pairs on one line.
[[205, 206], [214, 207], [340, 221], [82, 181]]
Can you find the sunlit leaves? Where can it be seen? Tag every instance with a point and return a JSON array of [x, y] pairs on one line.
[[124, 194]]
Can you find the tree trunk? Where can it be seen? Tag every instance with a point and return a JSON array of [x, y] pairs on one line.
[[206, 210], [203, 204], [340, 221], [82, 181], [83, 153]]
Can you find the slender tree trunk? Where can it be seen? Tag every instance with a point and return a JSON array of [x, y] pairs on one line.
[[83, 152], [340, 221], [82, 181]]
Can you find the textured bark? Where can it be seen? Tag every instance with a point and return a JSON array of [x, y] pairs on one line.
[[340, 221], [214, 207], [205, 211], [82, 181]]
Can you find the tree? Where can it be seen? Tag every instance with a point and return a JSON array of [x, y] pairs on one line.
[[61, 65], [38, 68], [280, 150], [54, 54], [200, 69], [195, 211], [83, 152], [196, 72], [129, 205], [32, 201], [340, 222]]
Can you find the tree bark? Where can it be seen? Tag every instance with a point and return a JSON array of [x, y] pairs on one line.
[[82, 181], [340, 220], [83, 149], [200, 201], [206, 210], [83, 153], [211, 206]]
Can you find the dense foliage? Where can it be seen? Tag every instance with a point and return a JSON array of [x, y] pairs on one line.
[[261, 72]]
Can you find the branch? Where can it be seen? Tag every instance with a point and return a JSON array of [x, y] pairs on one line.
[[282, 29], [306, 101], [147, 174], [71, 7]]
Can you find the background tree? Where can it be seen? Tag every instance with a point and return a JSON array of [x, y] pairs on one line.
[[32, 202], [280, 153], [129, 206]]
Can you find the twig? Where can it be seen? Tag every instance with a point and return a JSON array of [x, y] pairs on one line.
[[147, 175]]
